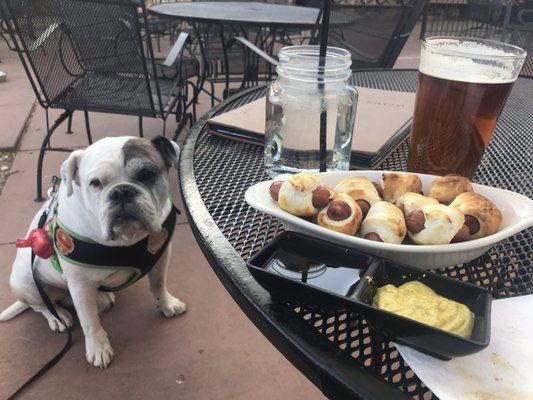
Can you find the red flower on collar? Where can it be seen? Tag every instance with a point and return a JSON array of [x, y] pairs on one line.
[[64, 242]]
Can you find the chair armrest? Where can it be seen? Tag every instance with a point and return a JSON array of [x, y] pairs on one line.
[[176, 49], [252, 47]]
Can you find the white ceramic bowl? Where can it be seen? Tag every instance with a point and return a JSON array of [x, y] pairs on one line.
[[517, 213]]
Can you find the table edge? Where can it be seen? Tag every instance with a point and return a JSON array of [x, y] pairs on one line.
[[321, 367]]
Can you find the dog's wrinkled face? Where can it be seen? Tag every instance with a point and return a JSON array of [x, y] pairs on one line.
[[124, 183]]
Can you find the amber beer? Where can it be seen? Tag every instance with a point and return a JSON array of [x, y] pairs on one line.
[[458, 102]]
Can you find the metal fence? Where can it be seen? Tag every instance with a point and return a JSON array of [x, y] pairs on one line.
[[479, 18]]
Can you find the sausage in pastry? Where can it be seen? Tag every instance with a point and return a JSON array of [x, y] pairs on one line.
[[409, 202], [361, 190], [342, 214], [384, 223], [301, 194], [434, 224], [446, 188], [482, 217], [395, 184]]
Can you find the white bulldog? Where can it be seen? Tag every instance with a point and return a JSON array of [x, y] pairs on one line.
[[114, 193]]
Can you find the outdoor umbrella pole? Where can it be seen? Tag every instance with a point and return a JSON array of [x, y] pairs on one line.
[[321, 64]]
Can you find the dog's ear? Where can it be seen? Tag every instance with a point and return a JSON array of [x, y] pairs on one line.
[[69, 170], [169, 150]]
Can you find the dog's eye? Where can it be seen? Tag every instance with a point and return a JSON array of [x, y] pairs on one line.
[[146, 175], [95, 183]]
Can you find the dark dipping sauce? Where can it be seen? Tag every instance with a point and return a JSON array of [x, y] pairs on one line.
[[336, 279]]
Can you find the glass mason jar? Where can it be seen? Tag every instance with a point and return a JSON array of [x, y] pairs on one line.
[[305, 87]]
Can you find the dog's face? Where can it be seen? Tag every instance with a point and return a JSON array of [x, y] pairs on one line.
[[124, 183]]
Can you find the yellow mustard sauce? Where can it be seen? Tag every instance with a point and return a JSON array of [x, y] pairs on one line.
[[417, 301]]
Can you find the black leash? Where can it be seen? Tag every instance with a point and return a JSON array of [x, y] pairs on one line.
[[49, 305]]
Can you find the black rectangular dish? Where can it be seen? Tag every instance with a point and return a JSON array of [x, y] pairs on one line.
[[299, 267]]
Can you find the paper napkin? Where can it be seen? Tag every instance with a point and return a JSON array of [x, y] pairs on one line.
[[502, 371]]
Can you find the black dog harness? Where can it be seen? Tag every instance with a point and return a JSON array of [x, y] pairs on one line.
[[138, 258]]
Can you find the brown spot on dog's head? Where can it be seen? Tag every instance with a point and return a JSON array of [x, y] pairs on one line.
[[160, 151], [147, 162], [136, 148], [168, 150]]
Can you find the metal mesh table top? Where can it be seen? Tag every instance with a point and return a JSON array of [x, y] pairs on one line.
[[224, 169]]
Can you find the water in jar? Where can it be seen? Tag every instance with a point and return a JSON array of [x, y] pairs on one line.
[[293, 125]]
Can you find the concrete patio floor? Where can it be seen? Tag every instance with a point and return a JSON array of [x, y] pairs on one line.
[[211, 352]]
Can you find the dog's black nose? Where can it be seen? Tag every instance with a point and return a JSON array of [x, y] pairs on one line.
[[123, 194]]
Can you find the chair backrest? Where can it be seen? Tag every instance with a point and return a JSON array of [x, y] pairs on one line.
[[518, 30], [488, 19], [87, 54], [373, 31], [5, 20], [4, 16]]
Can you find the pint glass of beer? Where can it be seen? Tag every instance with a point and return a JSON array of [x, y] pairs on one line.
[[463, 84]]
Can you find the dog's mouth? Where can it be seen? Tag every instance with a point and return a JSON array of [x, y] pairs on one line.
[[126, 227]]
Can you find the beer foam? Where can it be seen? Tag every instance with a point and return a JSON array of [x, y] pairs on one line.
[[470, 61]]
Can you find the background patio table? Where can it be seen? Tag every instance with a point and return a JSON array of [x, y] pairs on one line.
[[334, 348], [240, 13], [238, 17]]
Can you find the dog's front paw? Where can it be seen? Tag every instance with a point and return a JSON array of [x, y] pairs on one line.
[[54, 323], [171, 306], [98, 350], [104, 301]]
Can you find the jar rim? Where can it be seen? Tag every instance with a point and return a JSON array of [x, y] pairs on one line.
[[303, 62]]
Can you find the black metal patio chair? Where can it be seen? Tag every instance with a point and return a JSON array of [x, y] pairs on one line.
[[373, 32], [227, 63], [96, 56], [474, 18], [220, 63], [5, 19], [231, 64], [518, 26]]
